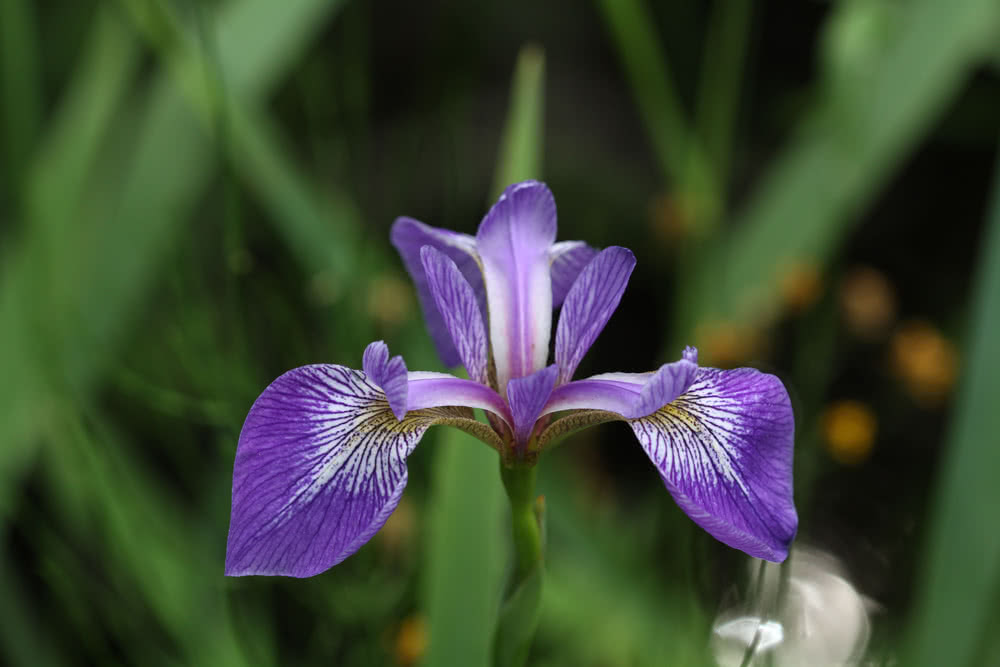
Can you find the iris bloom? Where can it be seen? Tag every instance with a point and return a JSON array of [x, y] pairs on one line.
[[321, 461]]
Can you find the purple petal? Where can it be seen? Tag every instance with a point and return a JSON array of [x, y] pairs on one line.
[[319, 467], [631, 395], [568, 258], [432, 390], [667, 383], [724, 450], [513, 243], [388, 374], [589, 305], [409, 236], [456, 303], [527, 396]]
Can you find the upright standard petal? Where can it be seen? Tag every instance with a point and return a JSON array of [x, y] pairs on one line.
[[457, 305], [527, 396], [567, 259], [724, 451], [589, 305], [319, 467], [388, 374], [409, 236], [513, 243]]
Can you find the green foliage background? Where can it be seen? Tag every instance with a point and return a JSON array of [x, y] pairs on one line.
[[196, 196]]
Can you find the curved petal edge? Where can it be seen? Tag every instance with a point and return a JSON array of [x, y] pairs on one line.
[[724, 451], [320, 466]]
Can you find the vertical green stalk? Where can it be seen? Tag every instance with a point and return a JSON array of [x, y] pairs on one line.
[[525, 524], [522, 605]]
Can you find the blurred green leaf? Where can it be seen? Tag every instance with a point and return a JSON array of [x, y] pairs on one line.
[[720, 84], [72, 327], [677, 148], [961, 561], [171, 567], [518, 620], [465, 551], [221, 83], [602, 603], [522, 143], [30, 298], [844, 151], [20, 83], [24, 642]]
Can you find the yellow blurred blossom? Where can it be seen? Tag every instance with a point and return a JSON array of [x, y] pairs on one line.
[[801, 285], [727, 344], [925, 361], [671, 216], [868, 303], [849, 429], [390, 300], [411, 640]]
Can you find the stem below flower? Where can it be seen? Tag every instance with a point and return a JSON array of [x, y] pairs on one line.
[[525, 524], [520, 610]]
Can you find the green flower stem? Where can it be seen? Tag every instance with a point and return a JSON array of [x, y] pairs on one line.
[[525, 524], [520, 610]]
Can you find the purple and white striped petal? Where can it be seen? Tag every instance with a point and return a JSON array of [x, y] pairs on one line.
[[432, 390], [319, 467], [513, 243], [409, 236], [631, 395], [724, 451], [388, 374], [589, 305], [457, 305], [527, 396], [567, 259]]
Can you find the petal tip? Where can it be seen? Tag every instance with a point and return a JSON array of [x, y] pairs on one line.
[[388, 374]]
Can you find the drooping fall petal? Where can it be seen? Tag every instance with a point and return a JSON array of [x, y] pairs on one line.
[[724, 451], [320, 465]]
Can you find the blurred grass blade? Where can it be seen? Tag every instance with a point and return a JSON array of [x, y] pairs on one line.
[[677, 149], [844, 151], [321, 225], [466, 551], [82, 120], [163, 562], [73, 328], [645, 61], [720, 84], [522, 144], [20, 83], [24, 638], [61, 164], [961, 568]]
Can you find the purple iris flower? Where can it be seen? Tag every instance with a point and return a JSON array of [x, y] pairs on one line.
[[321, 461]]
